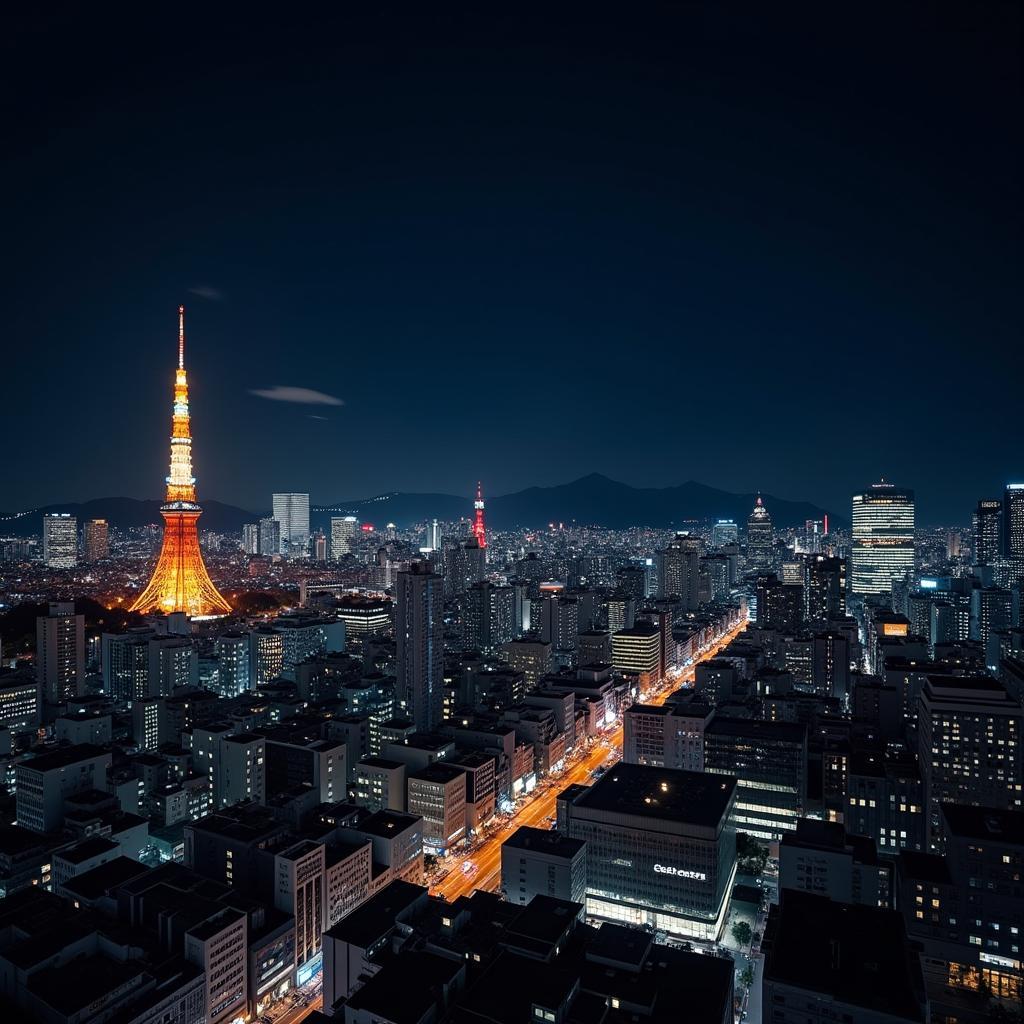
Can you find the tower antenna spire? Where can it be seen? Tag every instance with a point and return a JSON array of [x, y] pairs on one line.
[[181, 337]]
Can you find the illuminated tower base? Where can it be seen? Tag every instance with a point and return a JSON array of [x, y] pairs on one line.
[[180, 582]]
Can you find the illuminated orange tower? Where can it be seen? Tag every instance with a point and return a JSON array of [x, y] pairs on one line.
[[180, 582]]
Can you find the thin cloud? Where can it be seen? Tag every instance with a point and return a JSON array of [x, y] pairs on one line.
[[313, 416], [301, 396], [204, 291]]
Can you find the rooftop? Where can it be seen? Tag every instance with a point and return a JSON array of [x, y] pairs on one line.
[[751, 728], [92, 884], [380, 762], [988, 823], [697, 798], [439, 771], [94, 846], [63, 757], [854, 954], [374, 919], [406, 997], [544, 841], [74, 986], [385, 823], [925, 867]]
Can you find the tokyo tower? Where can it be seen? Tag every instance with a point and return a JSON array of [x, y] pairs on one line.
[[180, 582], [478, 519]]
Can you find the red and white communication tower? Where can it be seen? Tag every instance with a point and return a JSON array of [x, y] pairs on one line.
[[479, 530]]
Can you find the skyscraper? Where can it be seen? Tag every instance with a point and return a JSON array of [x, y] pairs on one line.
[[97, 540], [883, 538], [343, 531], [292, 512], [180, 582], [725, 531], [1013, 525], [490, 616], [269, 537], [60, 540], [825, 595], [464, 565], [419, 615], [60, 653], [679, 570], [251, 538], [760, 537], [988, 531], [319, 546], [434, 535]]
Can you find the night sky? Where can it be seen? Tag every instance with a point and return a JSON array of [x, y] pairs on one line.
[[661, 242]]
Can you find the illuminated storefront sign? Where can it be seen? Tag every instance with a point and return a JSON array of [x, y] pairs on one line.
[[661, 869], [309, 969]]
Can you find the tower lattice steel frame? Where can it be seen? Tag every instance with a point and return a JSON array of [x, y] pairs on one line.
[[180, 582]]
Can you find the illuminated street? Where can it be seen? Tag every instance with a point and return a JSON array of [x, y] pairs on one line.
[[539, 810]]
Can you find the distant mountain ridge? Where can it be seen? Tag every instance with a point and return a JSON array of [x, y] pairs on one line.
[[593, 500], [125, 514]]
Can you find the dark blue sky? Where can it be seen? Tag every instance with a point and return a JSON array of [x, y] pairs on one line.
[[662, 242]]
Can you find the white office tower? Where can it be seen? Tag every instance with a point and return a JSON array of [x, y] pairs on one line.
[[883, 538], [60, 540], [343, 532], [419, 615], [434, 536], [292, 512], [251, 538], [725, 531]]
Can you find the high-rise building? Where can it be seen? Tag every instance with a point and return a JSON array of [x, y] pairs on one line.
[[433, 536], [292, 512], [993, 612], [779, 605], [269, 537], [988, 531], [251, 538], [125, 660], [60, 540], [760, 537], [531, 657], [343, 532], [969, 747], [1013, 525], [173, 663], [725, 531], [419, 643], [319, 546], [679, 571], [490, 616], [464, 565], [637, 651], [883, 538], [825, 591], [60, 653], [180, 582], [266, 655], [97, 540], [234, 675]]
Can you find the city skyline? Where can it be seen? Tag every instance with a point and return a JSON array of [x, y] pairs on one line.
[[707, 237], [586, 584]]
